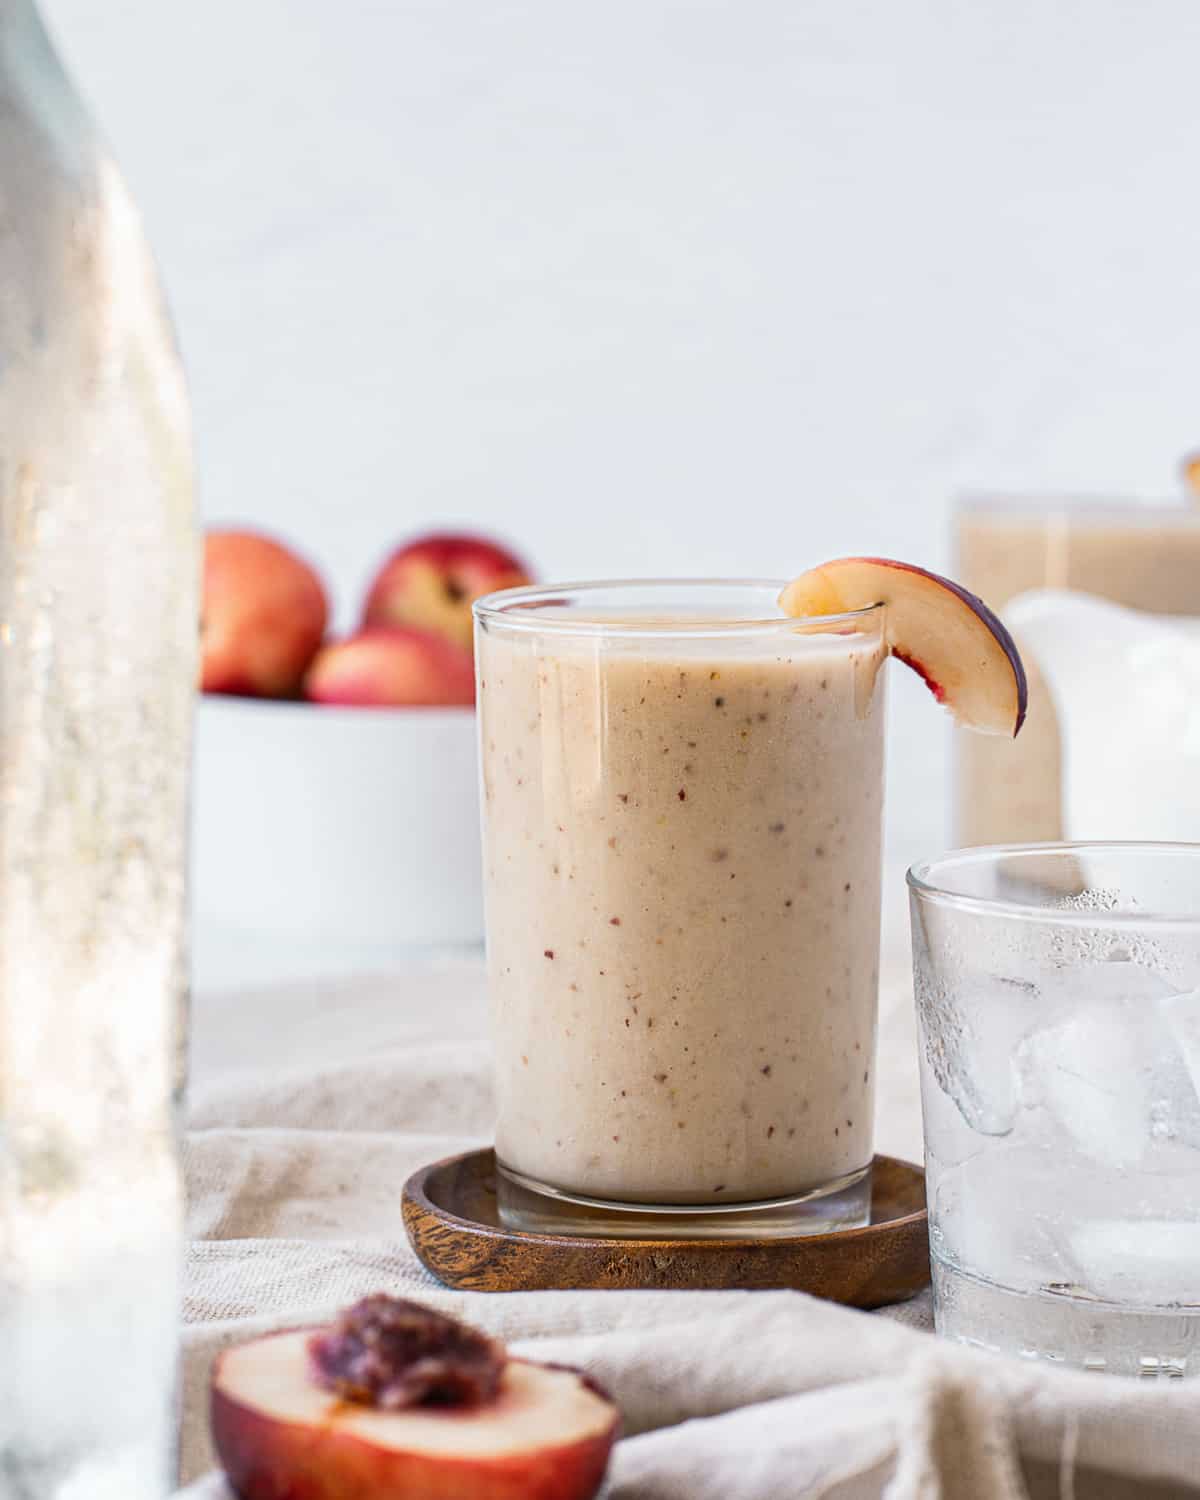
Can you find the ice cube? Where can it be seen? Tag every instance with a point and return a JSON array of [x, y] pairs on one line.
[[1118, 981], [1182, 1015], [1090, 1075], [971, 1034], [1109, 1071], [1143, 1262], [1176, 1071], [1002, 1216]]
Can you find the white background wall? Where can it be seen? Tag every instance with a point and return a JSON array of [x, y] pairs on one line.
[[675, 287]]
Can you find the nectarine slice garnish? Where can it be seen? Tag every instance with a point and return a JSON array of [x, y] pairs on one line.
[[948, 636]]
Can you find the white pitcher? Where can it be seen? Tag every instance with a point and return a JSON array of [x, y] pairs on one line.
[[1126, 691]]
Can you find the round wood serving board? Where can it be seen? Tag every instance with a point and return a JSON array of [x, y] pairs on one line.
[[453, 1223]]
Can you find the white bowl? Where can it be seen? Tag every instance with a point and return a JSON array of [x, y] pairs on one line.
[[336, 826]]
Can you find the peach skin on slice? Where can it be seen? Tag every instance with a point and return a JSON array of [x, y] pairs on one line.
[[952, 639]]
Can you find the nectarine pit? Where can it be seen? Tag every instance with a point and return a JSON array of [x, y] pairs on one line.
[[391, 1353]]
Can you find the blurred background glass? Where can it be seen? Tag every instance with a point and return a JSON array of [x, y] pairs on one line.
[[1146, 558]]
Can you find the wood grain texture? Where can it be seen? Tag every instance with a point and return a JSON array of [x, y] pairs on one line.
[[453, 1223]]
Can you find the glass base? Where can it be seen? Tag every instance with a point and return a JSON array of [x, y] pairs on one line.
[[537, 1208], [1160, 1343]]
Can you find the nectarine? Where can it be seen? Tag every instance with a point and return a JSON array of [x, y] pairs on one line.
[[545, 1433], [432, 582], [263, 616], [951, 638], [382, 668]]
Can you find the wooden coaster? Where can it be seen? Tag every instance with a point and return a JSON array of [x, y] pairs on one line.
[[453, 1223]]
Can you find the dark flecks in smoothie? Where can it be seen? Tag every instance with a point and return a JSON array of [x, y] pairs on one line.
[[548, 952], [720, 1188], [660, 1078], [688, 768], [770, 1131], [846, 887], [719, 855], [762, 717], [819, 851], [765, 1070], [622, 796], [867, 1075], [682, 794], [836, 1131], [825, 682], [691, 744], [718, 703], [788, 902], [775, 828], [614, 921]]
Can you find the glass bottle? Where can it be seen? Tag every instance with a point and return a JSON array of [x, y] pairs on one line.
[[98, 641]]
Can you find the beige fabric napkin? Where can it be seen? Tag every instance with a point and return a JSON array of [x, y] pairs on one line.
[[311, 1104]]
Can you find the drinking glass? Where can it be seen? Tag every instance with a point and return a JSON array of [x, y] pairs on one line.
[[1145, 557], [682, 791], [1058, 997]]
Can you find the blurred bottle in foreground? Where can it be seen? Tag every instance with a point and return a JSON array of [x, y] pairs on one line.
[[98, 583]]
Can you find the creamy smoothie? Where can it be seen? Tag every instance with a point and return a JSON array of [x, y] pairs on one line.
[[682, 848], [1144, 557]]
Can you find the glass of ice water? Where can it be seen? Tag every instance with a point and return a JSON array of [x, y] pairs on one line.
[[1058, 998]]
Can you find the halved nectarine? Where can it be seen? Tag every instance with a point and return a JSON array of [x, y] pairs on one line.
[[545, 1435]]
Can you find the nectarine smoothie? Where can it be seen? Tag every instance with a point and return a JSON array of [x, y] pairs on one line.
[[682, 847]]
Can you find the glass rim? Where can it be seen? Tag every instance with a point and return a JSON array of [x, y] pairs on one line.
[[922, 882], [506, 607], [1074, 506]]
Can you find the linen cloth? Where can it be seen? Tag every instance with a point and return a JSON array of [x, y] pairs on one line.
[[310, 1105]]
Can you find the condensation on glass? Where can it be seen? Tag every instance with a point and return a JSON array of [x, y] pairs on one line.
[[98, 609]]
